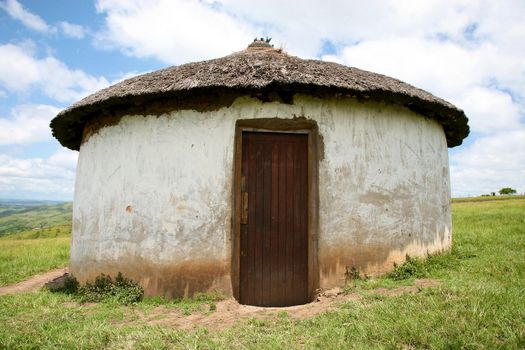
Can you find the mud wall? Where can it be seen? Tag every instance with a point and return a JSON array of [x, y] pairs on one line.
[[384, 189], [153, 193]]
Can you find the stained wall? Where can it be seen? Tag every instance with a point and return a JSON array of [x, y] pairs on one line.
[[153, 193]]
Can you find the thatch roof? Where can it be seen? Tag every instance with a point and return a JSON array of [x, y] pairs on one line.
[[261, 71]]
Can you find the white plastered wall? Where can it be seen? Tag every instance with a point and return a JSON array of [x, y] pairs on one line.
[[153, 193]]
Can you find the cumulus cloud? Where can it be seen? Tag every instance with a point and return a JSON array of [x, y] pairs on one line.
[[64, 158], [20, 71], [36, 178], [425, 63], [193, 30], [491, 110], [28, 19], [172, 31], [27, 124], [46, 178], [489, 164], [34, 22], [72, 30]]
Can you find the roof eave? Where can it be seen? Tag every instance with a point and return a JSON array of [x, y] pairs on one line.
[[68, 125]]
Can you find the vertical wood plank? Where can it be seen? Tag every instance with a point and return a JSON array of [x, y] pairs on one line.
[[259, 224], [283, 285], [243, 231], [267, 231], [276, 284], [289, 224]]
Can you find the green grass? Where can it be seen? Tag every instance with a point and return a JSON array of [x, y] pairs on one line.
[[487, 198], [48, 232], [28, 253], [478, 305], [201, 302]]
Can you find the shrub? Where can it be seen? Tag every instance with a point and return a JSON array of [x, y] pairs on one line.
[[411, 268], [353, 274], [121, 290]]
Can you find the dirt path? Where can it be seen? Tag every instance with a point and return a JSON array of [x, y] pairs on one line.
[[34, 283], [229, 311]]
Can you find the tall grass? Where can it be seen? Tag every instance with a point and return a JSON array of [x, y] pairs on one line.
[[22, 258]]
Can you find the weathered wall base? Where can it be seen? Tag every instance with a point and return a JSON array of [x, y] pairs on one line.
[[371, 260], [168, 280]]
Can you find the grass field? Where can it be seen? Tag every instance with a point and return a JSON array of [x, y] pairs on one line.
[[28, 253], [487, 198], [479, 304]]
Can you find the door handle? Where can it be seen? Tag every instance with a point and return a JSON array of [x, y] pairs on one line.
[[244, 208], [244, 201]]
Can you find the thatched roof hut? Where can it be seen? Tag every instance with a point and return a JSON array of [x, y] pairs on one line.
[[259, 174]]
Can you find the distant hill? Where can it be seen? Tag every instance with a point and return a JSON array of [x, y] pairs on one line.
[[28, 202], [22, 215]]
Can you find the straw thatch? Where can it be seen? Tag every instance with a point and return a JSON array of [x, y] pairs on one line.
[[257, 71]]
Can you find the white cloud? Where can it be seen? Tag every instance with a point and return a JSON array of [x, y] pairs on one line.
[[28, 19], [173, 31], [72, 30], [51, 178], [64, 158], [20, 70], [491, 110], [445, 68], [27, 124], [34, 22], [491, 163]]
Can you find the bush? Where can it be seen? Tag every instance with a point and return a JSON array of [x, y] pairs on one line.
[[411, 268], [121, 290], [353, 274]]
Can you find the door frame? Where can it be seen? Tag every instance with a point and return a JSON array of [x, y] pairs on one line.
[[299, 125]]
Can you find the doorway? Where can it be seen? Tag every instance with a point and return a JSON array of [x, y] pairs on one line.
[[274, 219]]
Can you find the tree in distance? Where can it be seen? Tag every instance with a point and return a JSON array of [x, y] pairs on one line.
[[507, 190]]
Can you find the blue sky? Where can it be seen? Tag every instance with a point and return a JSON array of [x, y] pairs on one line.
[[53, 53]]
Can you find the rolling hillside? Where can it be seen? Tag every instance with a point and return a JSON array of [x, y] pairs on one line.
[[17, 216]]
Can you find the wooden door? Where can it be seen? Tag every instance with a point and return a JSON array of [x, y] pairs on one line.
[[274, 219]]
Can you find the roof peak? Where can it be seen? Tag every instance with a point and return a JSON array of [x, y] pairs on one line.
[[261, 42]]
